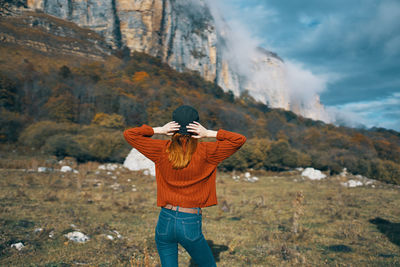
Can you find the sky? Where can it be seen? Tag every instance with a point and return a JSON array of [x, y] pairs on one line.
[[352, 45]]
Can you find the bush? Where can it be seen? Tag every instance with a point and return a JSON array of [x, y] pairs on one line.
[[64, 145], [254, 151], [276, 155], [88, 143], [386, 171], [37, 134], [235, 162], [109, 121], [104, 146]]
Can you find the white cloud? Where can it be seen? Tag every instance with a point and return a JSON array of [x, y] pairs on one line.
[[384, 112], [348, 51], [303, 83]]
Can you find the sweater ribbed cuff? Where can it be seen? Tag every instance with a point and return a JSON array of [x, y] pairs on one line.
[[220, 134], [147, 130]]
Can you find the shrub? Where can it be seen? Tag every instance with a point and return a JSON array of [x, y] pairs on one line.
[[276, 154], [254, 151], [235, 162], [88, 143], [140, 76], [37, 134], [109, 121], [63, 146], [386, 171], [104, 146]]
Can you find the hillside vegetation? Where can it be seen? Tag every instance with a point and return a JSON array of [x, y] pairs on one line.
[[69, 105]]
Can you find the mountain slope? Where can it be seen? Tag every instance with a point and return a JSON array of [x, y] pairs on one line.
[[193, 35], [89, 96]]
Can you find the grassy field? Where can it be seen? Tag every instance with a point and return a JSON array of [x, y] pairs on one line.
[[280, 220]]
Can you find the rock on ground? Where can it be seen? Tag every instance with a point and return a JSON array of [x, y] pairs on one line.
[[352, 183], [313, 174], [18, 245], [136, 161], [77, 237]]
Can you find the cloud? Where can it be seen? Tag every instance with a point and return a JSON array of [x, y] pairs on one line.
[[352, 45], [384, 112], [303, 83], [289, 86]]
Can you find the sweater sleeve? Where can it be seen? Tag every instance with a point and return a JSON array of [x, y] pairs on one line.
[[140, 139], [227, 143]]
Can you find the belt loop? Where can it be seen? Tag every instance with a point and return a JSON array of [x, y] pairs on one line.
[[177, 208], [198, 211]]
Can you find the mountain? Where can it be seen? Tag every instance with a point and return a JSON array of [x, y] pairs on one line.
[[65, 91], [52, 35], [190, 35]]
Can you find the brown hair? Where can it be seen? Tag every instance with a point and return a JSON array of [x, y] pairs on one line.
[[181, 149]]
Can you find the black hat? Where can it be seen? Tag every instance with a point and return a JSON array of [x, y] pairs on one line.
[[184, 115]]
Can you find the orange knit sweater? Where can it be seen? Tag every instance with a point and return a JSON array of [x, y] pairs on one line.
[[194, 185]]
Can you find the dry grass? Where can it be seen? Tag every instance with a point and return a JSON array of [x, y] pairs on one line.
[[274, 222]]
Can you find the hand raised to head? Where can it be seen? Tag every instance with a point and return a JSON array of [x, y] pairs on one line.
[[170, 128], [197, 129]]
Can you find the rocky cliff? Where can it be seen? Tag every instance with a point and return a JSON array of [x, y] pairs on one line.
[[179, 32], [184, 34]]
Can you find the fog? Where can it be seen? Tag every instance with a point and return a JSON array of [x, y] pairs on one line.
[[288, 85]]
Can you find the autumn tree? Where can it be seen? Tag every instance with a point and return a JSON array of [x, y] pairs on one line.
[[109, 120]]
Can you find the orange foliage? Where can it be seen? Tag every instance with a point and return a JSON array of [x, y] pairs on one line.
[[361, 139], [109, 121], [140, 76]]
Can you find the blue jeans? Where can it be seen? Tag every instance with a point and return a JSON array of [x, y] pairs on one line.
[[175, 227]]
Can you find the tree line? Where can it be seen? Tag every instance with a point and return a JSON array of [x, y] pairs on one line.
[[68, 107]]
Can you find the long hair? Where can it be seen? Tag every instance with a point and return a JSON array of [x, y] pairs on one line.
[[181, 149]]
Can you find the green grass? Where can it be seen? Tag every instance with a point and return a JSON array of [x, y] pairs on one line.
[[334, 222]]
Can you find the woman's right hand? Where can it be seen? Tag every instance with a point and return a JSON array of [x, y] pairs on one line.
[[168, 129], [200, 131]]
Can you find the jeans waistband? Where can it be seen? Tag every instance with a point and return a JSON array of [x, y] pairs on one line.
[[179, 214]]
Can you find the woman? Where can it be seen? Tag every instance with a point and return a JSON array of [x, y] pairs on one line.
[[185, 175]]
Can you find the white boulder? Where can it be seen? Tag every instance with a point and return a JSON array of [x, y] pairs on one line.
[[313, 174], [51, 234], [43, 169], [136, 161], [118, 234], [109, 166], [77, 237], [66, 169], [352, 183], [251, 179], [18, 245]]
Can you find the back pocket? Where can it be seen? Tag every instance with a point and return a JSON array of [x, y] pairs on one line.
[[162, 224], [191, 229]]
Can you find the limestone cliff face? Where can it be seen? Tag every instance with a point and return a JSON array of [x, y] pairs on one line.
[[181, 32], [184, 34]]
